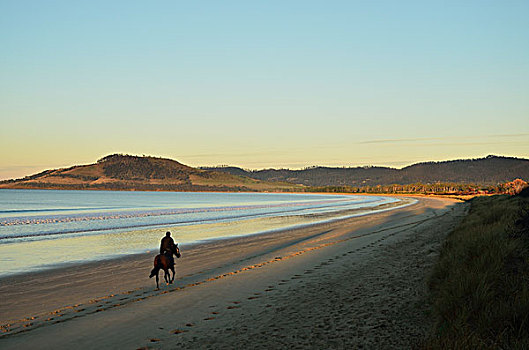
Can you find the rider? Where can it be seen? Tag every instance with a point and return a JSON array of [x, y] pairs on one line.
[[168, 245]]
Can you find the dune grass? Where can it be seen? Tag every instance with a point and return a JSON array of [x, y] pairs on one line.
[[480, 285]]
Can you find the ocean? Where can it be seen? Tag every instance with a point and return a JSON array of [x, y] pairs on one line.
[[42, 229]]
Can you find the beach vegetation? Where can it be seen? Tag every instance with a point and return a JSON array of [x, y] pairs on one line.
[[480, 285]]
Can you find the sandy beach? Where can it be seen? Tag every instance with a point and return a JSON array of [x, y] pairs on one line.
[[354, 283]]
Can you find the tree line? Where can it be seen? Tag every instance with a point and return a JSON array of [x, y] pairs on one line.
[[513, 187]]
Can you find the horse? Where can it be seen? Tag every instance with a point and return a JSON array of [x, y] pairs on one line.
[[165, 262]]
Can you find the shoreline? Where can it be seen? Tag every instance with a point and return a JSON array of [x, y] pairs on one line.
[[411, 194], [100, 295], [326, 218]]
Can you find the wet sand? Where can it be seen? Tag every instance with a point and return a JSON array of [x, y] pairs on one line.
[[351, 283]]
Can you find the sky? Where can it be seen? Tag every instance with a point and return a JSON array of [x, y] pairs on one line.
[[262, 84]]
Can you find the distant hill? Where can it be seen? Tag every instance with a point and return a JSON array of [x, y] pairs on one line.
[[489, 170], [125, 172]]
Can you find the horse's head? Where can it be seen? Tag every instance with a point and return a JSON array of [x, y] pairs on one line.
[[177, 251]]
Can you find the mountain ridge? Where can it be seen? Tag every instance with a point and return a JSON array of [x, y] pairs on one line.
[[487, 170], [127, 172]]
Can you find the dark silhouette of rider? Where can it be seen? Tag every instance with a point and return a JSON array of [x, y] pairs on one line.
[[167, 246]]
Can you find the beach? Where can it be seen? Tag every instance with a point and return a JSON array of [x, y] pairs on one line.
[[357, 282]]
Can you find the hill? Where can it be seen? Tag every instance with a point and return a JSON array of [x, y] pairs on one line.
[[125, 172], [490, 170]]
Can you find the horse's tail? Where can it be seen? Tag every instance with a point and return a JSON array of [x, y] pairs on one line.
[[154, 271]]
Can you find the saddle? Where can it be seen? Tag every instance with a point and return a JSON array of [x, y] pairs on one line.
[[169, 255]]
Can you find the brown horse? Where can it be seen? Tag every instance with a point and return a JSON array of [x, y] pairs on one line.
[[165, 262]]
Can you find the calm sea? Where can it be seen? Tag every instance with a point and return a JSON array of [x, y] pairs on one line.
[[60, 227]]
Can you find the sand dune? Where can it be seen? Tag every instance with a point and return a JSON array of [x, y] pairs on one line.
[[356, 282]]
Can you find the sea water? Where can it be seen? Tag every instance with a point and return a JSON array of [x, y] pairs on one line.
[[41, 229]]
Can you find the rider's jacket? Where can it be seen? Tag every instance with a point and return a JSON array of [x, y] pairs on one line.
[[167, 244]]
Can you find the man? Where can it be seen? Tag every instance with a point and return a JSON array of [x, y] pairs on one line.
[[167, 245]]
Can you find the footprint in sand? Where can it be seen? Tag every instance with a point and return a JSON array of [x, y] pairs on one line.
[[233, 307], [178, 331], [209, 318]]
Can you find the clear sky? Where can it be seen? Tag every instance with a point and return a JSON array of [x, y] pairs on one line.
[[261, 84]]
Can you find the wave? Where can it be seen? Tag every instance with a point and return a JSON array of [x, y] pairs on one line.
[[15, 211], [233, 214], [32, 220]]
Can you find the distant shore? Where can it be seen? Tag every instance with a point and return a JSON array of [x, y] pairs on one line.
[[222, 285]]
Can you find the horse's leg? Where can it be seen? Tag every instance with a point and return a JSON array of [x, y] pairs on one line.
[[166, 275], [172, 269], [154, 272]]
